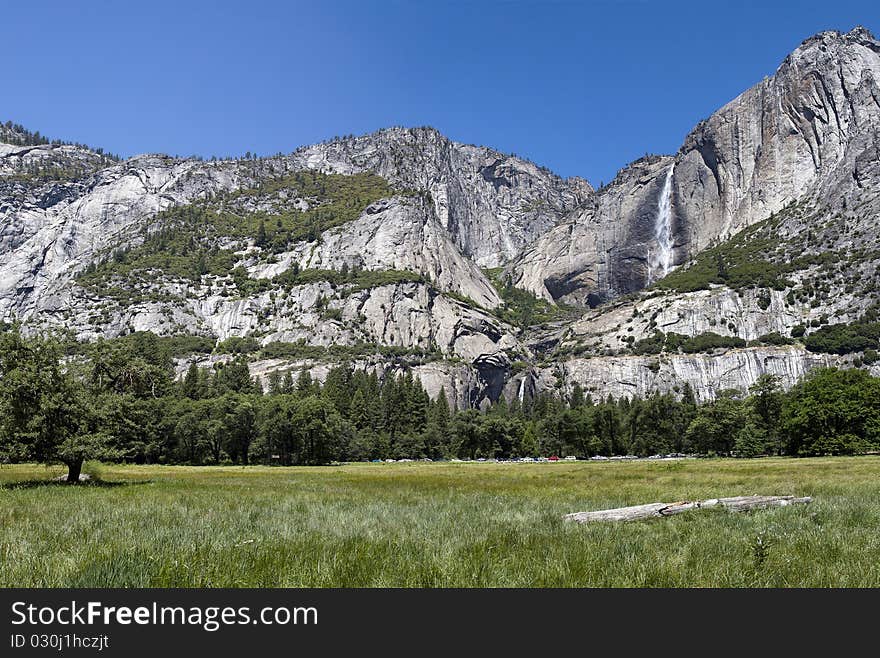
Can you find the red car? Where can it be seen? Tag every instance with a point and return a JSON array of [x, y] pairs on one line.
[[554, 458]]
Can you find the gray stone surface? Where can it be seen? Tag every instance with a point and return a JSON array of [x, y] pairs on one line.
[[807, 134]]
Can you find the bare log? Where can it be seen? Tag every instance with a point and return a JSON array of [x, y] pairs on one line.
[[619, 514], [653, 510], [743, 503]]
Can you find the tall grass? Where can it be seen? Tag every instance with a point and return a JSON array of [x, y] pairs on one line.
[[429, 525]]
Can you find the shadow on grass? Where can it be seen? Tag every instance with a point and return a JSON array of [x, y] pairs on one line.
[[88, 484]]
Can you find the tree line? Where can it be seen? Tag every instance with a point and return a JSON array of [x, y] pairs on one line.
[[121, 401], [18, 135]]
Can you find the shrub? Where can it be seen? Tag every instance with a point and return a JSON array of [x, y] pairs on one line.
[[238, 345], [710, 341], [153, 348], [673, 342], [844, 338], [651, 345], [775, 338]]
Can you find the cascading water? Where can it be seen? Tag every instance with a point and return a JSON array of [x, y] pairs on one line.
[[660, 259]]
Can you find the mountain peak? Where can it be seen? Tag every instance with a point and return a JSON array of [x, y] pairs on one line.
[[859, 34]]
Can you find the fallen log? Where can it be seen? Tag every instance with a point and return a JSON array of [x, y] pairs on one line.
[[653, 510]]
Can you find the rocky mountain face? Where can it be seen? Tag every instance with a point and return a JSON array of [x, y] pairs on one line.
[[810, 122], [750, 251], [491, 204], [603, 250], [422, 239], [790, 136]]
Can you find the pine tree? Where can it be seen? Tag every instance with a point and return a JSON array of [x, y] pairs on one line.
[[274, 382], [191, 383], [358, 413], [439, 415], [391, 406], [304, 384], [287, 385], [499, 407], [577, 396], [261, 240], [529, 447], [337, 388]]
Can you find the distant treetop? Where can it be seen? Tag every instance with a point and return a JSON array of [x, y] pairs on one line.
[[18, 135]]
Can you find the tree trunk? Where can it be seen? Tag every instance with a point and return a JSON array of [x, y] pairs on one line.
[[74, 468], [653, 510]]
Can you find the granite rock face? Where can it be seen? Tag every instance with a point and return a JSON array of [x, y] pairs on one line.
[[398, 233], [707, 374], [800, 149], [810, 129], [51, 230], [492, 204], [782, 139], [602, 251], [478, 208]]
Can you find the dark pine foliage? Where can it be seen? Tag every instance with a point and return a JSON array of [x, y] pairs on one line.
[[121, 400]]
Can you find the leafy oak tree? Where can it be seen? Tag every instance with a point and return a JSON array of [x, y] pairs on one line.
[[47, 414]]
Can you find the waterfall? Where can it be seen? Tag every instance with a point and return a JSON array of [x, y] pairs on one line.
[[660, 258]]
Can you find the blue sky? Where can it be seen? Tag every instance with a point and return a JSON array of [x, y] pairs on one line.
[[580, 87]]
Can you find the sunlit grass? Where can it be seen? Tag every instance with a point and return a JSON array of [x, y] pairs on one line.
[[427, 525]]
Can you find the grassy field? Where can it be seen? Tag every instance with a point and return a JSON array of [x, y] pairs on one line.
[[428, 525]]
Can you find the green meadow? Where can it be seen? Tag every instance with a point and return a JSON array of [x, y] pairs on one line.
[[439, 525]]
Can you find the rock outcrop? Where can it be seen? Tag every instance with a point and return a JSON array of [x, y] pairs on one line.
[[807, 130], [781, 139], [493, 205], [401, 234], [786, 178], [707, 374], [50, 231], [602, 251]]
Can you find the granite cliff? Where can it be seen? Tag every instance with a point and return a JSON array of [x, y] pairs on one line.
[[483, 272]]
